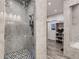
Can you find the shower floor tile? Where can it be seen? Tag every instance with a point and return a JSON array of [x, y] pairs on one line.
[[21, 54]]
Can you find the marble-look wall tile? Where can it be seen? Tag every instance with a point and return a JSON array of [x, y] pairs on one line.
[[18, 34]]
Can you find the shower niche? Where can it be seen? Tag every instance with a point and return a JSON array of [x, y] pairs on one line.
[[19, 29]]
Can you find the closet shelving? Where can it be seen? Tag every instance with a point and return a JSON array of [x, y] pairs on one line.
[[59, 32]]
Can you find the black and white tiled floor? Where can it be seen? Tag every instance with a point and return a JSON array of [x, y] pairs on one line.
[[21, 54]]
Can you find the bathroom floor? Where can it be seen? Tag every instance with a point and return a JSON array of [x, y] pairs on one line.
[[54, 50]]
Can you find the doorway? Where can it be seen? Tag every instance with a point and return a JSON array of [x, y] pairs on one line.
[[55, 46]]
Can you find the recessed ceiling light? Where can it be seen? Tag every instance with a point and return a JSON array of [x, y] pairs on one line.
[[15, 16], [49, 3]]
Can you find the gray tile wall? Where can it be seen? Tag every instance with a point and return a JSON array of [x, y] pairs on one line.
[[18, 33]]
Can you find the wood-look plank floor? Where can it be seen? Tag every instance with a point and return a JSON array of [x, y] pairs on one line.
[[54, 51]]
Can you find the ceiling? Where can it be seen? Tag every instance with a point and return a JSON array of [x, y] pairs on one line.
[[24, 2], [55, 7]]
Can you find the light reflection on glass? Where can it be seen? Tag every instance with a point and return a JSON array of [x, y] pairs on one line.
[[14, 16], [1, 13], [18, 17], [10, 15]]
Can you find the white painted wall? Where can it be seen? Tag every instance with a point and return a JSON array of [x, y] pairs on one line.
[[51, 33]]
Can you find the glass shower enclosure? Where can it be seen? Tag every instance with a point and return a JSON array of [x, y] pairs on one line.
[[19, 29]]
